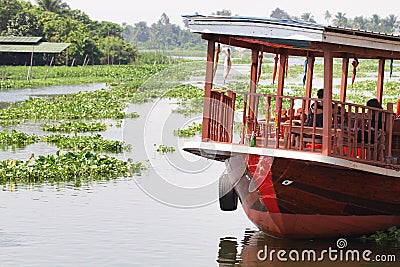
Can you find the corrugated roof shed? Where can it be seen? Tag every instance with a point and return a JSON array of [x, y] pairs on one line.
[[19, 39], [45, 47]]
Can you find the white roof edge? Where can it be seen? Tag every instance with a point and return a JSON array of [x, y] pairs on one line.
[[290, 30], [256, 27]]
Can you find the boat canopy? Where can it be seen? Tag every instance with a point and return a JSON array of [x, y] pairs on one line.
[[295, 37]]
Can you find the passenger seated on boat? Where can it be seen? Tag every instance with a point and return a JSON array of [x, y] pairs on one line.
[[291, 114], [318, 110], [284, 116], [300, 115], [375, 104]]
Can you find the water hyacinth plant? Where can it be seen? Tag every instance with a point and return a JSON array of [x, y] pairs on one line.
[[71, 166], [392, 235], [163, 149], [190, 131], [100, 104], [14, 77], [86, 143], [16, 139], [75, 126]]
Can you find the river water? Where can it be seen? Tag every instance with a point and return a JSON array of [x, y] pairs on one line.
[[169, 216]]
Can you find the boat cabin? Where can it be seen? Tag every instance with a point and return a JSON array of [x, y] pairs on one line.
[[352, 131]]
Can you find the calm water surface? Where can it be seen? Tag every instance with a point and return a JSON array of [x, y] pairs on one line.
[[169, 216], [24, 94]]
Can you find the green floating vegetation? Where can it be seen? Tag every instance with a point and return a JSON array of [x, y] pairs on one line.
[[392, 235], [100, 104], [163, 149], [72, 166], [190, 131], [14, 77], [16, 139], [86, 143], [190, 99], [75, 126], [185, 92]]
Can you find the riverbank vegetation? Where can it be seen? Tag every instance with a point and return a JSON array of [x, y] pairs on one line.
[[91, 41], [374, 23], [14, 77]]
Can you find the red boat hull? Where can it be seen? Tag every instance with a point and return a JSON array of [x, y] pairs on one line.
[[318, 226], [294, 198]]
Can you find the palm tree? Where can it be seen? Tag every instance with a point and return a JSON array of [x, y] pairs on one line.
[[375, 23], [307, 17], [340, 20], [360, 22], [328, 16], [390, 23], [279, 14], [56, 6]]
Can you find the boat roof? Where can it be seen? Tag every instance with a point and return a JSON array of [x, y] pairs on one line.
[[297, 37]]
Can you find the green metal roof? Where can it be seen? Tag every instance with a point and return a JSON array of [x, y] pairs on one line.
[[44, 47], [19, 39]]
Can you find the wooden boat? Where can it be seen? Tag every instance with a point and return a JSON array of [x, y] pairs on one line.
[[300, 180]]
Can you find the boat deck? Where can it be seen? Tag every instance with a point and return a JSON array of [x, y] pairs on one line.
[[276, 124]]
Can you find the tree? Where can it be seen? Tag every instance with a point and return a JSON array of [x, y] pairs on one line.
[[116, 51], [360, 23], [328, 16], [56, 6], [141, 32], [24, 23], [79, 16], [223, 12], [340, 20], [8, 10], [106, 28], [390, 23], [307, 17], [164, 20], [279, 14]]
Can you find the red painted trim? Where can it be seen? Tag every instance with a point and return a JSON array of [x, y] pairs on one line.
[[268, 194], [260, 170]]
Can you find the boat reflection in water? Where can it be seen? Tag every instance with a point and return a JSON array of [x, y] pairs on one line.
[[250, 251]]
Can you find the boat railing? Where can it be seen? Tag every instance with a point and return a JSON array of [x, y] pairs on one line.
[[220, 119], [359, 133]]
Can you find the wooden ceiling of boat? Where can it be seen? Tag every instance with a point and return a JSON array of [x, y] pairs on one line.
[[301, 48]]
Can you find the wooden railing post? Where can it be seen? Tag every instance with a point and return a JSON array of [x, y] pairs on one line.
[[244, 120], [343, 84], [381, 76], [232, 96], [207, 92], [389, 130], [309, 81], [253, 89], [328, 75]]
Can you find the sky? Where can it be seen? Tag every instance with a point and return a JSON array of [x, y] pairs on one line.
[[131, 12]]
